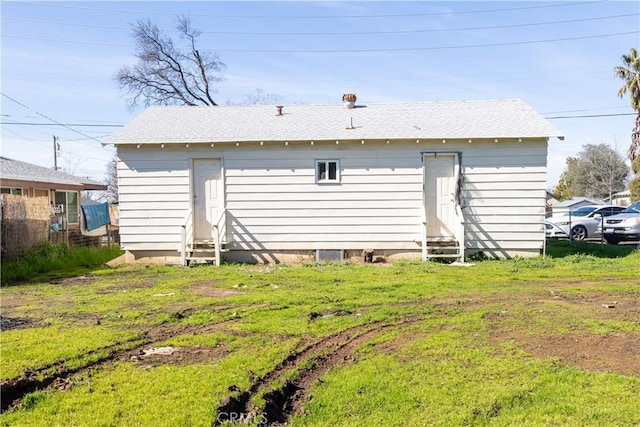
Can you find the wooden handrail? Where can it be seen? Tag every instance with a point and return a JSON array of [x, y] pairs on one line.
[[460, 235], [186, 229], [217, 229], [424, 235]]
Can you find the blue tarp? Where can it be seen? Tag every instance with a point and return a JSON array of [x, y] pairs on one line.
[[96, 215]]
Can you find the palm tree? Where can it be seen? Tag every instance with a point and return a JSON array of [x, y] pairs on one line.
[[630, 73]]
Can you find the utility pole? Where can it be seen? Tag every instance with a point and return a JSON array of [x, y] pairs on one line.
[[56, 147]]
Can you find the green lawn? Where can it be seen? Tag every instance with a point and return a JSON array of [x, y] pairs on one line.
[[553, 341]]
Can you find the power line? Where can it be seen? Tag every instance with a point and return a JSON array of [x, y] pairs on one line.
[[27, 139], [71, 153], [372, 50], [49, 118], [398, 15], [325, 33], [429, 30], [407, 49]]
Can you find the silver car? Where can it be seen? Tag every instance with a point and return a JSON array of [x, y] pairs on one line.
[[624, 226], [583, 222]]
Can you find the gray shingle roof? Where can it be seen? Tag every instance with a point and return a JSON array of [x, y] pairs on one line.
[[576, 200], [21, 171], [510, 118]]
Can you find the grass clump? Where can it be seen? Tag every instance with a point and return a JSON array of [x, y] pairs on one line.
[[47, 257], [577, 250]]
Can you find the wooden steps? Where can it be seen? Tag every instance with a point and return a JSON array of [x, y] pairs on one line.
[[443, 248], [201, 252]]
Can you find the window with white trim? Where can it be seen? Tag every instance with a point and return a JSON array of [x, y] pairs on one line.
[[327, 171], [12, 190]]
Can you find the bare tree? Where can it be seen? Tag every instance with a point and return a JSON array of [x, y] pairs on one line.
[[605, 171], [167, 75], [259, 98], [111, 194], [598, 171]]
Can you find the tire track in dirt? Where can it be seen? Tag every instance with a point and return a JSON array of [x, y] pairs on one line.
[[58, 374], [297, 374]]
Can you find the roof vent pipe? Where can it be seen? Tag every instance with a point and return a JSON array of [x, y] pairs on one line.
[[279, 107], [349, 100]]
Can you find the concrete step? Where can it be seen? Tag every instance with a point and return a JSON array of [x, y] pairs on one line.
[[202, 250], [443, 255], [200, 260]]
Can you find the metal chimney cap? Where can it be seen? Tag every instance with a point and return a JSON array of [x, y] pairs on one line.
[[349, 100]]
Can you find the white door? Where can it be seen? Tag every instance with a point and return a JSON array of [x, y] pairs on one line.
[[207, 197], [439, 193]]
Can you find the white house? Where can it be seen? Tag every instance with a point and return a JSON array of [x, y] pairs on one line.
[[307, 182], [623, 198]]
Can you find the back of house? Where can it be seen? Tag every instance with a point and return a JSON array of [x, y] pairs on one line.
[[328, 182]]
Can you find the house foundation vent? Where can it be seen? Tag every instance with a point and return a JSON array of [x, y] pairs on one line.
[[329, 255]]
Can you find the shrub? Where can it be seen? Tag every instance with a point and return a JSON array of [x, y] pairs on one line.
[[47, 257]]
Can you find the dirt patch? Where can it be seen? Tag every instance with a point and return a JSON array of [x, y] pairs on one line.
[[208, 289], [71, 280], [623, 307], [216, 292], [552, 284], [619, 353], [10, 300], [125, 287], [176, 356]]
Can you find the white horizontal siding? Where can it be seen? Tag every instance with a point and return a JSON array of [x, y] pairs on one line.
[[324, 230], [151, 196], [327, 222], [392, 203], [154, 198], [505, 202], [144, 189], [159, 174], [528, 213], [274, 215], [338, 197], [490, 175], [501, 247], [369, 242], [163, 206], [352, 190], [307, 176], [501, 227], [274, 203], [522, 185]]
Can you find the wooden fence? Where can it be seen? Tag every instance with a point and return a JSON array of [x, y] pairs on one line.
[[25, 223]]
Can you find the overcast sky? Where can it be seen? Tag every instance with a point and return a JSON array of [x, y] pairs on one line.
[[59, 59]]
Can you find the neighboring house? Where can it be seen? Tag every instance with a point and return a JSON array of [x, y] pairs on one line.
[[622, 198], [61, 189], [565, 206], [308, 182]]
